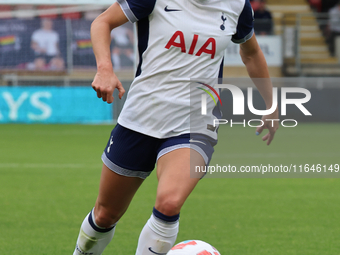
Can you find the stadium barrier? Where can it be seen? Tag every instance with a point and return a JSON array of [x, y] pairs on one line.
[[271, 46], [50, 104], [53, 105]]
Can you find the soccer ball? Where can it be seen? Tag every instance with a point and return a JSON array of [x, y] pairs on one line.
[[193, 247]]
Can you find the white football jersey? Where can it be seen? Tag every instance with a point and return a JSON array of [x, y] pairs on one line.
[[181, 45]]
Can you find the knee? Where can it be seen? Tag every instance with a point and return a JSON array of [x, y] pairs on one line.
[[104, 217], [168, 204]]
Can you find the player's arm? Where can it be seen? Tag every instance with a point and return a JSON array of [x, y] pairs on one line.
[[105, 80], [255, 62]]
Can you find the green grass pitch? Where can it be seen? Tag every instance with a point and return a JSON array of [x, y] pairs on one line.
[[49, 178]]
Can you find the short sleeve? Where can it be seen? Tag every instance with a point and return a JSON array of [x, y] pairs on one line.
[[245, 25], [136, 10]]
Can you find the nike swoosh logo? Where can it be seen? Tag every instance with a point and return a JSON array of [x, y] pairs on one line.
[[156, 252], [196, 141], [171, 10]]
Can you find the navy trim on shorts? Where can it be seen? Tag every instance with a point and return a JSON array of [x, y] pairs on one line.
[[122, 171], [134, 154]]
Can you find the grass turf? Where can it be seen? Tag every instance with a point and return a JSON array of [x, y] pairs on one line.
[[49, 178]]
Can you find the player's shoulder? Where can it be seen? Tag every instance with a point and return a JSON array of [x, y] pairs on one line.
[[137, 9], [140, 3]]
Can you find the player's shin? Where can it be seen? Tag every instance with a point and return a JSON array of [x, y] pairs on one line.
[[158, 235], [93, 239]]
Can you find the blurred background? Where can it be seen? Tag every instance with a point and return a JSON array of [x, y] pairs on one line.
[[49, 173], [48, 44]]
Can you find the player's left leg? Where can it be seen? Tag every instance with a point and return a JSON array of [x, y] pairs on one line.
[[174, 186], [115, 194]]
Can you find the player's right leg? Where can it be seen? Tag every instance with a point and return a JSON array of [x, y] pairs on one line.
[[115, 194], [129, 158], [178, 158]]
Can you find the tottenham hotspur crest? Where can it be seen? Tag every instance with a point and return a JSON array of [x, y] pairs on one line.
[[224, 18]]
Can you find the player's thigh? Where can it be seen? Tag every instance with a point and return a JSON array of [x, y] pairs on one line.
[[115, 194], [176, 178]]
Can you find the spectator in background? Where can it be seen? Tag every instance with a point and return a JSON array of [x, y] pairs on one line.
[[122, 45], [334, 27], [263, 24], [45, 44]]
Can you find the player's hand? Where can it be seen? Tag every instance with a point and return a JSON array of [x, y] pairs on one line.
[[271, 123], [104, 83]]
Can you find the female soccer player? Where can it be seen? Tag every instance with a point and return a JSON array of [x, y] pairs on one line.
[[178, 42]]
